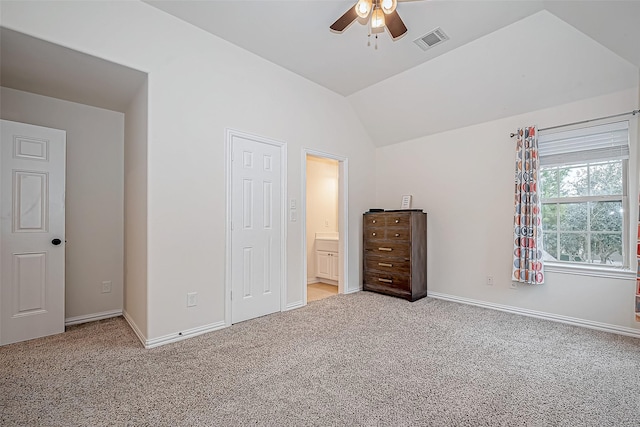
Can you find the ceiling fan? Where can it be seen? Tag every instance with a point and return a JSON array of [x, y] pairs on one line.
[[379, 14]]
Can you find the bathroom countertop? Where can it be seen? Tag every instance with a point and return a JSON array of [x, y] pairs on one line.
[[328, 235]]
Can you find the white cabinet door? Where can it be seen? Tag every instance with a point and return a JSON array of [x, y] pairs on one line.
[[32, 173], [327, 265], [334, 275], [323, 264]]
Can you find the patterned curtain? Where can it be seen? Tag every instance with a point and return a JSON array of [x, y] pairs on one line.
[[527, 223]]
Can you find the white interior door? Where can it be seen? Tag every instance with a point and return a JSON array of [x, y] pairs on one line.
[[256, 228], [32, 184]]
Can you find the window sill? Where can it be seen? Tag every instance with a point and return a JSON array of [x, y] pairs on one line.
[[589, 270]]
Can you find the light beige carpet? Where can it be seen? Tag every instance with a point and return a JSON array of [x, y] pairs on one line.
[[351, 360]]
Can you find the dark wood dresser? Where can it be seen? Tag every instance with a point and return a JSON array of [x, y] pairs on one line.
[[395, 253]]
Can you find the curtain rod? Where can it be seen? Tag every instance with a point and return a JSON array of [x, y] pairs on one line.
[[634, 112]]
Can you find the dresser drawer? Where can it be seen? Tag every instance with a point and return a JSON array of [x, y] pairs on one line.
[[398, 233], [387, 233], [386, 264], [398, 219], [388, 280], [374, 220], [388, 248], [374, 233]]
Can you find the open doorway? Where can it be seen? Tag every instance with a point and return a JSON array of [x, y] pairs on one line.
[[102, 106], [325, 224]]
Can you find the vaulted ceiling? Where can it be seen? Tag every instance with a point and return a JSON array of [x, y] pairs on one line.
[[296, 35], [503, 57]]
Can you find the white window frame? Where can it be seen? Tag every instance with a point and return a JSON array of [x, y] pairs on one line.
[[629, 209]]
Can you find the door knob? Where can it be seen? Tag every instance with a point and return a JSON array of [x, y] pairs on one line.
[[56, 242]]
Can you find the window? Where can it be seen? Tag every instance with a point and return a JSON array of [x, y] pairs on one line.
[[583, 186]]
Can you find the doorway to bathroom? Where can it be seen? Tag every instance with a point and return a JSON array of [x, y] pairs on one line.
[[325, 225]]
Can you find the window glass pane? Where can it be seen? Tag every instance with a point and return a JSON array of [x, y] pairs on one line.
[[550, 242], [573, 216], [573, 181], [549, 217], [606, 216], [549, 183], [606, 178], [573, 247], [606, 248]]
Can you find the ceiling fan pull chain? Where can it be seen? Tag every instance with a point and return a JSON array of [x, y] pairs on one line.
[[376, 42]]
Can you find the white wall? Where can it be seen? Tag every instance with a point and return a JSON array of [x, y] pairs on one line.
[[94, 195], [135, 213], [464, 179], [322, 204], [198, 86], [633, 200]]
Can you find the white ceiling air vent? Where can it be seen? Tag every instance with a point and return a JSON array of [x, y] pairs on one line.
[[431, 39]]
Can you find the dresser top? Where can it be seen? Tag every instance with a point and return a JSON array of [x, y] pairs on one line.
[[393, 210]]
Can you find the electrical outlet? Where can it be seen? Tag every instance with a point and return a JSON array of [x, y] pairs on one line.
[[106, 287], [490, 280], [514, 285], [192, 299]]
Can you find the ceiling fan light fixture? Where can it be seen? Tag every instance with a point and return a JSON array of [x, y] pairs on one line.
[[388, 6], [377, 18], [363, 7]]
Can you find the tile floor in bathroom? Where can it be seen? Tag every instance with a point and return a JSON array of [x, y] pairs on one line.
[[317, 291]]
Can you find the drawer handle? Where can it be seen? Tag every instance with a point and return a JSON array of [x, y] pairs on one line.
[[397, 221], [384, 264], [373, 234], [397, 235], [374, 221], [385, 280], [385, 249]]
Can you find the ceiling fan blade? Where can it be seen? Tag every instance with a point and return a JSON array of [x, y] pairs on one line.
[[395, 25], [344, 21]]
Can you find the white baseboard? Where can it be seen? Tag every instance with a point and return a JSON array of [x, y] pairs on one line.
[[76, 320], [134, 327], [179, 336], [294, 305], [352, 291], [606, 327], [326, 281]]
